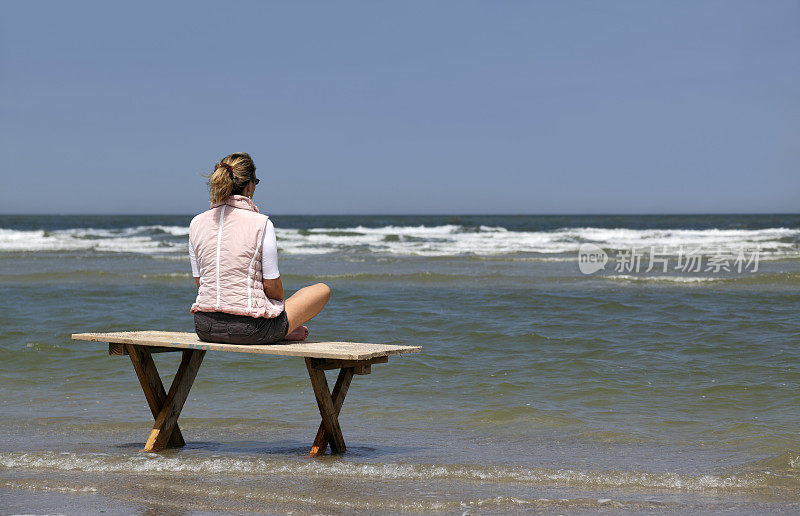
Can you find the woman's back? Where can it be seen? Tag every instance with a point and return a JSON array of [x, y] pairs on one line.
[[227, 242]]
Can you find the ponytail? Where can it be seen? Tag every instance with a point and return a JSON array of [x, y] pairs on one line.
[[230, 177]]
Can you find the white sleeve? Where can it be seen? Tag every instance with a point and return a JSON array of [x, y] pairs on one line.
[[193, 261], [269, 253]]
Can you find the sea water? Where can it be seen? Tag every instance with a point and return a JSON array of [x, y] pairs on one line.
[[538, 389]]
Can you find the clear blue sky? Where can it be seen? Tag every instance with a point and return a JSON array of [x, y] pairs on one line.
[[403, 107]]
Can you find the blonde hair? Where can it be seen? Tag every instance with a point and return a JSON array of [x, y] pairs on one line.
[[230, 177]]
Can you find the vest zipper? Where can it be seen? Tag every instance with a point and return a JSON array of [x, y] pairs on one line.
[[219, 246]]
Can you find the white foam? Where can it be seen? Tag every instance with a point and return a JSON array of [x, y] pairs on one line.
[[172, 230], [156, 464], [442, 240], [448, 240], [125, 240], [665, 279]]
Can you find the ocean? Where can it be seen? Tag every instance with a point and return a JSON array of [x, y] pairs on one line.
[[570, 364]]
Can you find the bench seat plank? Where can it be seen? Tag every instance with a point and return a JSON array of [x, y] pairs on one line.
[[311, 349]]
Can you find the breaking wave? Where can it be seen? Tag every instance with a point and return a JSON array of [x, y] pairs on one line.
[[433, 241], [144, 463]]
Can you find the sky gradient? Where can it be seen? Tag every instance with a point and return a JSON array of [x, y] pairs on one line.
[[403, 107]]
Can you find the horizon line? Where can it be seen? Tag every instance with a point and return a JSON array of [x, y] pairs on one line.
[[593, 214]]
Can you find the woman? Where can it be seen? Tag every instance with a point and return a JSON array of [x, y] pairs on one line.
[[234, 258]]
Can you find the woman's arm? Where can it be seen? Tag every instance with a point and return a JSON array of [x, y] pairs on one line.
[[193, 262], [273, 286]]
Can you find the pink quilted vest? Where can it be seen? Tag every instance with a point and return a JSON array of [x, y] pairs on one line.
[[227, 243]]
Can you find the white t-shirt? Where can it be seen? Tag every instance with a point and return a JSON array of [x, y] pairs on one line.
[[269, 254]]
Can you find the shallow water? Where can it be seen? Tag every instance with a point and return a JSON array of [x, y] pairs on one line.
[[539, 388]]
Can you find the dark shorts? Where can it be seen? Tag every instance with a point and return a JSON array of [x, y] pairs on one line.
[[240, 329]]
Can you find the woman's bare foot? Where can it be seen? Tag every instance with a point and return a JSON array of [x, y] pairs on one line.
[[299, 333]]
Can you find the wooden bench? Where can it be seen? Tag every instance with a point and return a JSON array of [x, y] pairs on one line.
[[350, 358]]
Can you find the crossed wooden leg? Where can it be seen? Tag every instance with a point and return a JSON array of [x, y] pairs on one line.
[[329, 406], [330, 403], [166, 407]]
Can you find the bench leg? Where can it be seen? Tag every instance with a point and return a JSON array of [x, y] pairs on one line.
[[166, 407], [178, 392], [338, 394], [151, 385], [327, 407]]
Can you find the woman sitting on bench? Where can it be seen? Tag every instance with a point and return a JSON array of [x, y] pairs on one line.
[[234, 257]]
